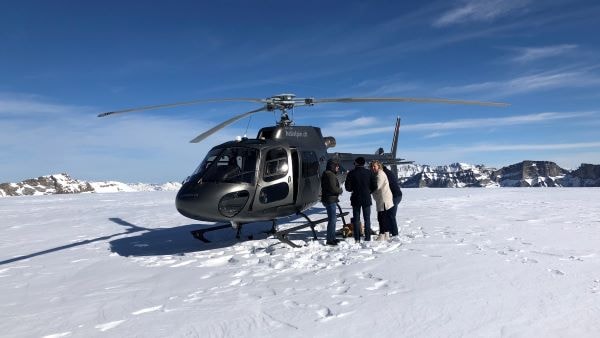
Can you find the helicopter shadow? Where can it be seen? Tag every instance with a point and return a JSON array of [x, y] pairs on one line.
[[179, 240]]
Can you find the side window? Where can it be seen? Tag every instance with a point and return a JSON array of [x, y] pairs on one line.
[[274, 193], [310, 164], [276, 164]]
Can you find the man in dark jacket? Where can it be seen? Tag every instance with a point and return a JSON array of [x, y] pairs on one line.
[[361, 182], [330, 190], [397, 197]]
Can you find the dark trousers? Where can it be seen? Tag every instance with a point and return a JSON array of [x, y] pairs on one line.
[[366, 210], [393, 228], [383, 218]]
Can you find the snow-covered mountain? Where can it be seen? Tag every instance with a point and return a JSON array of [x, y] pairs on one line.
[[456, 175], [65, 184], [522, 174]]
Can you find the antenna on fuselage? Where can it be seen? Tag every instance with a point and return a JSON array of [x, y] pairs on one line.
[[395, 145]]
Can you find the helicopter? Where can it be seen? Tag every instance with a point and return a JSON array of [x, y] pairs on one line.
[[275, 175]]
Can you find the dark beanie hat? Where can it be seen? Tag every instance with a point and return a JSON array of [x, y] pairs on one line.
[[360, 160]]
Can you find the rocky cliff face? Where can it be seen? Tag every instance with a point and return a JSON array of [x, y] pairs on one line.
[[530, 174], [587, 175]]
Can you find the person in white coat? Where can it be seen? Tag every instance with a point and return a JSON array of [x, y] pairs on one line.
[[384, 200]]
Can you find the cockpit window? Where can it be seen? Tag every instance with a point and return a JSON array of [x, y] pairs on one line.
[[276, 164], [230, 165]]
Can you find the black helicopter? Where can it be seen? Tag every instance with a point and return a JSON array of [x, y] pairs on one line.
[[274, 175]]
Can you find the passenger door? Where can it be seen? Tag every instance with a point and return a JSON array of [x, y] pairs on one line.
[[276, 183]]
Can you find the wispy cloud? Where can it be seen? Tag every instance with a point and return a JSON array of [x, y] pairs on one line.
[[529, 83], [495, 122], [42, 138], [29, 105], [480, 11], [535, 53], [356, 123], [434, 135], [528, 147], [369, 126], [393, 85]]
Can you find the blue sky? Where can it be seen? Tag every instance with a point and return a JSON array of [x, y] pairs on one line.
[[63, 62]]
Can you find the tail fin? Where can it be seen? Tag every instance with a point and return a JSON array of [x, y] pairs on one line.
[[395, 145]]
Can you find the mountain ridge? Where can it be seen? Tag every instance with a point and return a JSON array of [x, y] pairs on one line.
[[523, 174], [456, 175], [64, 184]]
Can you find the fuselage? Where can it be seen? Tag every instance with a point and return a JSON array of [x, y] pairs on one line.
[[274, 175]]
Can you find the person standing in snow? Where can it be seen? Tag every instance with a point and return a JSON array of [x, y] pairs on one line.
[[361, 182], [330, 192], [383, 200], [396, 197]]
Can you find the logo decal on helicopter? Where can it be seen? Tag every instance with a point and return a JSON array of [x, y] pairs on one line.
[[295, 133]]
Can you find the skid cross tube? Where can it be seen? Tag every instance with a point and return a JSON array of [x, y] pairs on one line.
[[199, 234], [282, 235]]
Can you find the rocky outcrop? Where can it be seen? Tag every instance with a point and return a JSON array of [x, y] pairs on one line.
[[587, 175], [530, 174]]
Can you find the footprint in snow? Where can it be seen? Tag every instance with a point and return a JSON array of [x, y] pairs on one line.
[[184, 263], [108, 326], [378, 285], [325, 314], [525, 260], [556, 272], [58, 335], [241, 273], [147, 310], [596, 286]]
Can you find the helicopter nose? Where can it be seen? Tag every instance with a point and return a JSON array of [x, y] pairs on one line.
[[210, 202], [193, 203]]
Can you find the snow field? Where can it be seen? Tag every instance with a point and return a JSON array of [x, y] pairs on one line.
[[468, 262]]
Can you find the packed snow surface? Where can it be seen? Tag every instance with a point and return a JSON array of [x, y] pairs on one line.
[[468, 262]]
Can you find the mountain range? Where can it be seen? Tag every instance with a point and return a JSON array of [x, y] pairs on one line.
[[65, 184], [456, 175], [522, 174]]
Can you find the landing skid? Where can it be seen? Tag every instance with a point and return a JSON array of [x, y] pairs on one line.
[[199, 234], [280, 235]]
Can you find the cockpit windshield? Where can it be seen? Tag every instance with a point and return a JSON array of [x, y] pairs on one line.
[[229, 165]]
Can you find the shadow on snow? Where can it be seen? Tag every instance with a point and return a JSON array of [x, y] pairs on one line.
[[179, 240], [131, 229]]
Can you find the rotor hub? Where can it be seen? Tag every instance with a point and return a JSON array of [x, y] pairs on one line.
[[283, 102]]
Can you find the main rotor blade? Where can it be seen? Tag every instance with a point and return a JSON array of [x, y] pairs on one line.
[[410, 99], [178, 104], [224, 124]]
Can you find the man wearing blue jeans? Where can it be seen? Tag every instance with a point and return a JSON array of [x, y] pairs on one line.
[[330, 191]]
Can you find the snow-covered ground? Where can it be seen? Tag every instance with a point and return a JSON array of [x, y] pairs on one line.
[[469, 262]]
